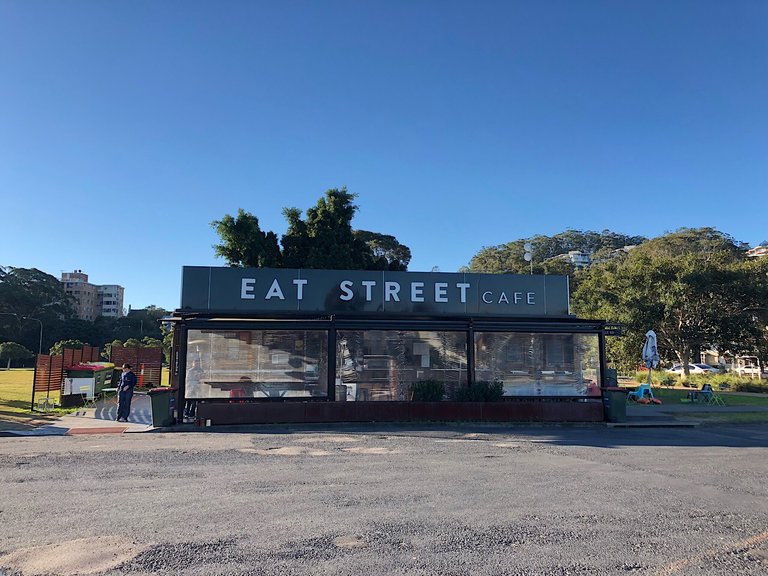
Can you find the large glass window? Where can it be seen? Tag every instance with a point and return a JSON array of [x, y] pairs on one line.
[[256, 363], [373, 365], [539, 364]]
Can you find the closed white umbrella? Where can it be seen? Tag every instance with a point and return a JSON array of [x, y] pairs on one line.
[[650, 353]]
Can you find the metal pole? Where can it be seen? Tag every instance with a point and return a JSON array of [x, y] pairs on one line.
[[40, 344]]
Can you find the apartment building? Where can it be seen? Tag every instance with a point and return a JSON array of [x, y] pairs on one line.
[[93, 300]]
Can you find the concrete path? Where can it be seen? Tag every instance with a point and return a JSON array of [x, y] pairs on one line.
[[101, 420], [98, 420]]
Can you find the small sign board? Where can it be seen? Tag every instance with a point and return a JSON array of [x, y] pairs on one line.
[[613, 330]]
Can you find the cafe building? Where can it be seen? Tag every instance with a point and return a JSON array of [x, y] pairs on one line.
[[280, 345]]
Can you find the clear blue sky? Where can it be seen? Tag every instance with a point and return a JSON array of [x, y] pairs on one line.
[[126, 127]]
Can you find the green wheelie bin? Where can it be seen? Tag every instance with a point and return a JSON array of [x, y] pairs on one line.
[[615, 404], [162, 400]]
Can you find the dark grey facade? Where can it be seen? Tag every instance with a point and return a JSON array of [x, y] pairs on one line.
[[375, 341], [356, 292]]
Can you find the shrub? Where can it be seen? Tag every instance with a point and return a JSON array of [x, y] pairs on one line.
[[667, 379], [733, 381], [481, 392], [658, 378], [428, 391], [750, 386]]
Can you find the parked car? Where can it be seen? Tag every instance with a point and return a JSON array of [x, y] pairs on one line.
[[694, 369], [707, 368]]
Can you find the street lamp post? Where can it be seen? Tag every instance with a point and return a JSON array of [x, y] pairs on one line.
[[19, 318], [40, 344], [528, 255]]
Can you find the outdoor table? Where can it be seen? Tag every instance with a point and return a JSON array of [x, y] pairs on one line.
[[105, 392]]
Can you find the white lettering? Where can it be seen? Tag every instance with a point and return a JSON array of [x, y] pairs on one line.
[[440, 288], [345, 287], [531, 296], [503, 298], [489, 294], [274, 290], [518, 296], [391, 290], [246, 289], [463, 287], [417, 291], [300, 288], [368, 285]]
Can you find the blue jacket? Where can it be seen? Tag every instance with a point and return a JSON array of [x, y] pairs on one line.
[[127, 381]]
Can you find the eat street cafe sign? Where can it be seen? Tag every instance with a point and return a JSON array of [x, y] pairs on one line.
[[265, 290]]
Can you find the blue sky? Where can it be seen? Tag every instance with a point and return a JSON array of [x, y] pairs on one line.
[[126, 127]]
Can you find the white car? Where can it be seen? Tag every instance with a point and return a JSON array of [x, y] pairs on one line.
[[694, 369]]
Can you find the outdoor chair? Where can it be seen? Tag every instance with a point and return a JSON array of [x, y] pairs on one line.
[[642, 391], [714, 399], [45, 404], [89, 400]]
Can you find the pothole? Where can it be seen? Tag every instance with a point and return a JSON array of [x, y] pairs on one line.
[[81, 556], [349, 542]]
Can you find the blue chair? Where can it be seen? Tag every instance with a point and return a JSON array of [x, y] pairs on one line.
[[642, 391]]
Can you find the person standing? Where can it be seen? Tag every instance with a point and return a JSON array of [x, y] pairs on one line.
[[125, 393]]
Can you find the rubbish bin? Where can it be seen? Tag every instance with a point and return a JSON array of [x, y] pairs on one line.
[[615, 404], [162, 400]]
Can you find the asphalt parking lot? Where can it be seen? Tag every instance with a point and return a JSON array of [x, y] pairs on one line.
[[432, 500]]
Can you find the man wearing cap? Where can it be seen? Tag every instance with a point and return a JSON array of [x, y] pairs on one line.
[[125, 393]]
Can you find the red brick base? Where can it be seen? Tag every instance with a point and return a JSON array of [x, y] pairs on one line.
[[220, 413]]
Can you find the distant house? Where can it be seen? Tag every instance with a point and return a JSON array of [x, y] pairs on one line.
[[577, 258], [758, 251]]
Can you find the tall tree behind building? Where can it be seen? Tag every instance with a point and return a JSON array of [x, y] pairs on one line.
[[323, 239]]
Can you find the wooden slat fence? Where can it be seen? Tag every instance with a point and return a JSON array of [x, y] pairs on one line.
[[147, 363], [50, 369]]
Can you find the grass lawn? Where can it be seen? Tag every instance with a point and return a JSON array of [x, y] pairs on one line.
[[16, 392], [730, 398]]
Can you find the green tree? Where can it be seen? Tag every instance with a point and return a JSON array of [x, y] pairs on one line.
[[58, 347], [296, 241], [13, 351], [509, 257], [323, 239], [387, 252], [548, 251], [106, 352], [244, 244], [167, 344], [327, 236], [692, 287], [31, 293]]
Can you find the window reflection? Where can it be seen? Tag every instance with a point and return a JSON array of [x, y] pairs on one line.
[[539, 364], [257, 363], [380, 365]]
